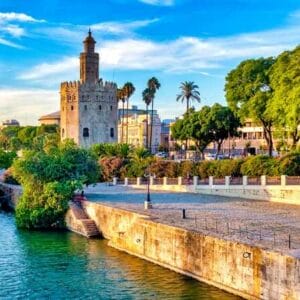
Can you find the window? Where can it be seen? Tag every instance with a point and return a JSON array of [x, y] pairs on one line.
[[86, 132], [72, 108], [111, 108], [112, 133], [63, 132], [97, 97], [82, 97], [85, 107], [100, 107]]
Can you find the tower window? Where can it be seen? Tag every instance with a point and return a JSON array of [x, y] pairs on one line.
[[86, 132], [112, 132], [72, 107], [97, 97], [85, 107], [63, 132], [82, 97], [111, 108], [100, 107]]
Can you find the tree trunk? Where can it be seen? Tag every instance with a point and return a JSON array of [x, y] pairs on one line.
[[151, 125], [127, 121], [267, 131], [219, 144], [122, 123], [147, 131], [187, 111], [295, 138]]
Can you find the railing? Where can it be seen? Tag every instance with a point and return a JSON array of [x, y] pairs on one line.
[[236, 181], [293, 180], [227, 181], [273, 180], [253, 180], [219, 181]]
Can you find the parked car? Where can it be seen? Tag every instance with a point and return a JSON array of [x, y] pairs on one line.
[[161, 154]]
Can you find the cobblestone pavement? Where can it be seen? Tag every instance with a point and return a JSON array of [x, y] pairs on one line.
[[266, 224]]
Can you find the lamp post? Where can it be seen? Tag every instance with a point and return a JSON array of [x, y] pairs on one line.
[[228, 136], [147, 203]]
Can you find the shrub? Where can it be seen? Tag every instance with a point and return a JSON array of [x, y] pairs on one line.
[[187, 169], [111, 167], [162, 168], [260, 165], [6, 158], [290, 164]]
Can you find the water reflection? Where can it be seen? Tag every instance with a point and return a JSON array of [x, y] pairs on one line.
[[40, 265]]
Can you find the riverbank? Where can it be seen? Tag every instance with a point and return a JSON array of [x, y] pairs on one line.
[[245, 269]]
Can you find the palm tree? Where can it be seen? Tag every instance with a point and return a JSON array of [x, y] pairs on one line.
[[153, 85], [121, 97], [128, 91], [189, 92], [147, 98]]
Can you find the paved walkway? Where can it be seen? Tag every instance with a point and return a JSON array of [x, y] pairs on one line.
[[261, 223]]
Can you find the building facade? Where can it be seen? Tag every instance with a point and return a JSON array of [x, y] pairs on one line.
[[136, 127], [89, 107], [50, 119]]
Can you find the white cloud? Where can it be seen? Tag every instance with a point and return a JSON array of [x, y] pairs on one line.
[[185, 54], [28, 104], [159, 2], [19, 17], [9, 43]]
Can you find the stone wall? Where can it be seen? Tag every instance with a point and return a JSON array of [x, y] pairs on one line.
[[13, 191], [245, 270]]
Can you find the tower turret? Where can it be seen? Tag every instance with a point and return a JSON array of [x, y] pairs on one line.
[[89, 60]]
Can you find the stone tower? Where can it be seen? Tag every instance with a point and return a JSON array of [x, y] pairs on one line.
[[89, 107]]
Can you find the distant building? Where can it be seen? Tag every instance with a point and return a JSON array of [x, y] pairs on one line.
[[165, 135], [137, 130], [89, 107], [50, 119], [10, 123]]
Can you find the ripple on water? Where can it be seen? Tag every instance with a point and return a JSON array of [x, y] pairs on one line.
[[51, 265]]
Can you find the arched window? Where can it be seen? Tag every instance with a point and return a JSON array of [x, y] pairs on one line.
[[100, 107], [111, 108], [86, 132], [72, 107]]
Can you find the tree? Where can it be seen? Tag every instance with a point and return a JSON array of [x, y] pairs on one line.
[[224, 124], [153, 85], [189, 92], [285, 83], [128, 91], [6, 158], [49, 181], [121, 97], [147, 98], [196, 126], [248, 94]]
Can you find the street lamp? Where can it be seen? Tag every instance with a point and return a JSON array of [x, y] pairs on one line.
[[147, 203]]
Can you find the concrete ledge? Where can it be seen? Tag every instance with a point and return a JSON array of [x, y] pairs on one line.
[[246, 270]]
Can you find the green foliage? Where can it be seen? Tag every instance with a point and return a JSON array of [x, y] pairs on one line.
[[49, 179], [6, 158], [290, 164], [111, 150], [285, 83], [162, 168], [260, 165], [9, 178], [29, 137], [248, 93], [189, 92]]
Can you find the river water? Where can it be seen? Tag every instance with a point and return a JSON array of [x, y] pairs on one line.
[[63, 265]]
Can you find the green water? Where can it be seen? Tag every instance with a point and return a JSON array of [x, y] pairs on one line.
[[43, 265]]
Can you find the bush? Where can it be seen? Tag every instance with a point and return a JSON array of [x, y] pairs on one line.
[[162, 168], [6, 158], [290, 164], [111, 167], [187, 169], [260, 165]]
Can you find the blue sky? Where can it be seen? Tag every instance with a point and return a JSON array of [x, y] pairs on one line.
[[174, 40]]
